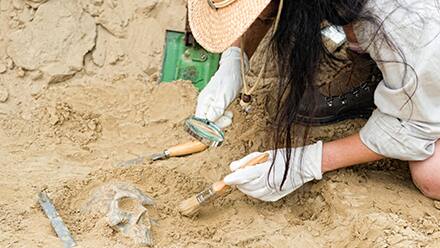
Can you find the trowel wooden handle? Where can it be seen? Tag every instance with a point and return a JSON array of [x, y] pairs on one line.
[[186, 149], [219, 186]]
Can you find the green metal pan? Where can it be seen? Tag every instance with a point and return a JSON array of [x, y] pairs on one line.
[[187, 60]]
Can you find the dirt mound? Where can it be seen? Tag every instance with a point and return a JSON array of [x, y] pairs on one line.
[[80, 128]]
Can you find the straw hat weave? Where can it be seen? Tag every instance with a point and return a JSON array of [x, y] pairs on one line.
[[216, 29]]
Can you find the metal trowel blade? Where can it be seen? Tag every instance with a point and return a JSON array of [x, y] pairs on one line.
[[139, 160], [142, 159]]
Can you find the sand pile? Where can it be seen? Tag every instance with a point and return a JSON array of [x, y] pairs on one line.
[[106, 107]]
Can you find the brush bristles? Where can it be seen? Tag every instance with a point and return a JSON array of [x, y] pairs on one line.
[[189, 207]]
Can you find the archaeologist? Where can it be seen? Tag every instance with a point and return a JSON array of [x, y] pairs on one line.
[[402, 37]]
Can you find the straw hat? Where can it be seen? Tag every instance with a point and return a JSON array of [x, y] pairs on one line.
[[216, 24]]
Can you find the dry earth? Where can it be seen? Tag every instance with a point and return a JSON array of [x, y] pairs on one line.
[[78, 94]]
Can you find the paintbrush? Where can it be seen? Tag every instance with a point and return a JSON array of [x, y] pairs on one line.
[[175, 151], [191, 206]]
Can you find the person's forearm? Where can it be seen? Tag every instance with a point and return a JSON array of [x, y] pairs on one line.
[[346, 152]]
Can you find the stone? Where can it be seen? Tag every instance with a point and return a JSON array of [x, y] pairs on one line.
[[20, 72], [56, 40], [2, 68], [36, 75], [35, 3], [113, 15], [108, 48], [18, 4], [4, 94], [9, 63]]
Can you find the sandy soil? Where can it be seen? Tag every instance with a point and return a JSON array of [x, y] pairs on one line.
[[78, 94]]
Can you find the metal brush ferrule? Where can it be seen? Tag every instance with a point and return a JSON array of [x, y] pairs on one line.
[[205, 195], [166, 153]]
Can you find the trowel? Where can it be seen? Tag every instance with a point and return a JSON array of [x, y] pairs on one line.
[[206, 133], [185, 59], [175, 151]]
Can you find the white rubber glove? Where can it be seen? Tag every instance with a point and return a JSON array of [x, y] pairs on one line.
[[256, 181], [225, 120], [223, 88]]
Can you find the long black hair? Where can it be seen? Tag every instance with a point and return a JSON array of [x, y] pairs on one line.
[[298, 47]]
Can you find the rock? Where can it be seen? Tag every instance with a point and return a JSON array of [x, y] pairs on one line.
[[36, 75], [146, 8], [2, 68], [56, 40], [113, 15], [20, 72], [107, 49], [98, 2], [143, 45], [36, 89], [27, 15], [18, 4], [437, 204], [99, 54], [4, 94], [9, 63], [35, 3]]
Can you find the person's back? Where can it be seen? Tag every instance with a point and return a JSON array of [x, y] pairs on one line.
[[409, 57]]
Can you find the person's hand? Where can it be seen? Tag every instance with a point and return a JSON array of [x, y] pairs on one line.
[[222, 89], [262, 183]]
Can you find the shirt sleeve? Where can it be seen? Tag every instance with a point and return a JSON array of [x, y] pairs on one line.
[[406, 124], [393, 138]]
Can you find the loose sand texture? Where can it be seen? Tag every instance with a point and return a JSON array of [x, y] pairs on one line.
[[79, 93]]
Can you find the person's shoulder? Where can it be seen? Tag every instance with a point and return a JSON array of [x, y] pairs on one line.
[[410, 23], [401, 12]]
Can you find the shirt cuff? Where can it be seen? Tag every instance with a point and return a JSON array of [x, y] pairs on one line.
[[390, 137]]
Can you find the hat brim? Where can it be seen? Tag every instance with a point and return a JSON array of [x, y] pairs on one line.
[[217, 29]]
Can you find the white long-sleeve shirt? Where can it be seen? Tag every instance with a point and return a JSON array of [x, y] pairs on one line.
[[406, 124]]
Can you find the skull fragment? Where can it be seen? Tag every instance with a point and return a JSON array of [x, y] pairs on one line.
[[124, 207]]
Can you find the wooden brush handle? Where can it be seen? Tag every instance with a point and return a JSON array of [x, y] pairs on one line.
[[220, 185], [258, 160], [186, 149]]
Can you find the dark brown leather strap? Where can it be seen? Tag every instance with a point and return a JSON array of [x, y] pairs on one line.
[[351, 36]]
